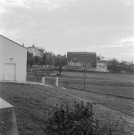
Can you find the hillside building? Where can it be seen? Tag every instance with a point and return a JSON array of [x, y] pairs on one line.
[[35, 51]]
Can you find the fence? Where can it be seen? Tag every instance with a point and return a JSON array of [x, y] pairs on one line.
[[63, 82], [35, 76], [50, 80], [80, 83]]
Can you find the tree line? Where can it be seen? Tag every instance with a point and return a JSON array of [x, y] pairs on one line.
[[116, 66], [48, 58], [120, 67], [58, 61]]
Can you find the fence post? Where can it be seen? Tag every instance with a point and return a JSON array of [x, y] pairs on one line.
[[56, 81], [43, 80]]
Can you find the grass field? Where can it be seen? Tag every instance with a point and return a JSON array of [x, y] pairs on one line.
[[32, 103], [102, 76], [115, 91]]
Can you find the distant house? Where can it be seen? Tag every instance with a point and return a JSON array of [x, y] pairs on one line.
[[13, 59], [35, 51], [81, 59], [101, 66]]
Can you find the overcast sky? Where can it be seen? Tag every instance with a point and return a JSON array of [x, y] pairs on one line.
[[102, 26]]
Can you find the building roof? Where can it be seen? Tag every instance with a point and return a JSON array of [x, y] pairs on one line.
[[81, 53], [12, 41]]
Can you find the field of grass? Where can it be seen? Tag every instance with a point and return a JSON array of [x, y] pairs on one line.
[[115, 91], [102, 76], [32, 103]]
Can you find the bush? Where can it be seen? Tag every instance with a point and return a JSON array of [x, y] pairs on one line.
[[80, 120]]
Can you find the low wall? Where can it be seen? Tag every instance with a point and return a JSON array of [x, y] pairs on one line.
[[8, 124]]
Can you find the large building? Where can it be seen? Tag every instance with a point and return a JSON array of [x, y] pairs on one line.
[[35, 51], [13, 60], [81, 59]]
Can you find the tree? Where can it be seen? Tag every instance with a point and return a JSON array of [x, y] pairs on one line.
[[50, 58], [60, 61], [100, 57], [44, 59], [30, 59], [49, 61], [113, 65], [37, 60]]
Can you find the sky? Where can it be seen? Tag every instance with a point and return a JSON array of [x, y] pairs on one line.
[[102, 26]]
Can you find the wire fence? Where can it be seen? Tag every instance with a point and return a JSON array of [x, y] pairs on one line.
[[103, 85], [64, 82], [109, 88]]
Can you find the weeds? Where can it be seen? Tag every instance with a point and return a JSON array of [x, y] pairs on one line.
[[79, 120]]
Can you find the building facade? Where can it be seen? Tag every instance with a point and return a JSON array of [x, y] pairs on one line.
[[81, 59], [13, 60], [101, 66], [35, 51]]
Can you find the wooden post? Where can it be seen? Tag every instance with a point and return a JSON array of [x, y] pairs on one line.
[[85, 78], [43, 80], [56, 81]]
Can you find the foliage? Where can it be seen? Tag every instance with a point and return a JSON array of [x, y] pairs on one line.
[[100, 57], [112, 65], [44, 59], [34, 60], [120, 67], [37, 60], [49, 58], [60, 61], [30, 59], [77, 121]]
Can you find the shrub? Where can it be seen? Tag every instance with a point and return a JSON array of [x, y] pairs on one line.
[[79, 120]]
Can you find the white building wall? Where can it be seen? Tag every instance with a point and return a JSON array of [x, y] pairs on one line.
[[0, 61], [12, 53], [102, 67]]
